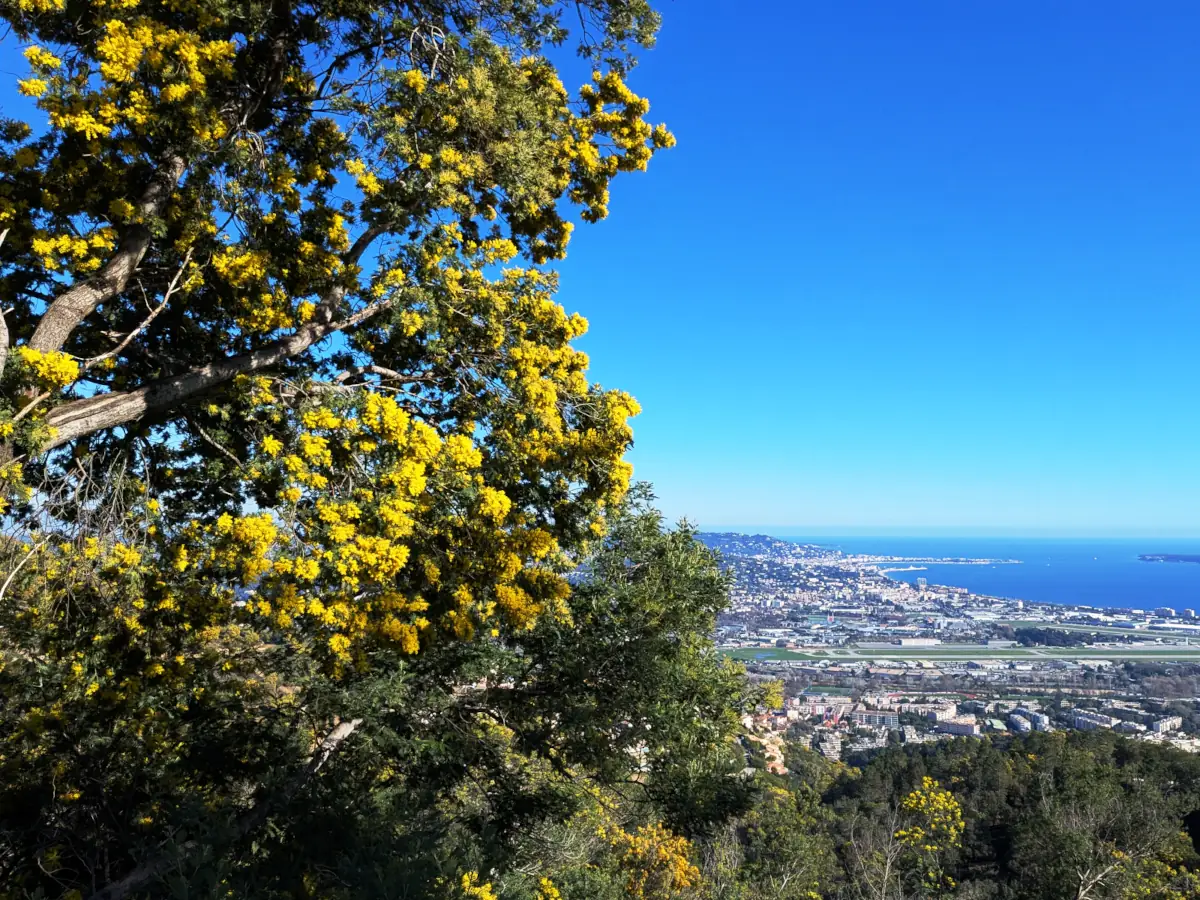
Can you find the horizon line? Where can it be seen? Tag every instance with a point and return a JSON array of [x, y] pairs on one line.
[[950, 531]]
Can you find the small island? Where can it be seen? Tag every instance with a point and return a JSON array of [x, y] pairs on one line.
[[1170, 557]]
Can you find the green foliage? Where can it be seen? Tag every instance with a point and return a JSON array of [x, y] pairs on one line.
[[1068, 815], [1050, 637], [473, 756], [297, 455]]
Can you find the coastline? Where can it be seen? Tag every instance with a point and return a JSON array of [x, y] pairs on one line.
[[1103, 572]]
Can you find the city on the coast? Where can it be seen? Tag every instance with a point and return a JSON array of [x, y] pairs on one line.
[[867, 660]]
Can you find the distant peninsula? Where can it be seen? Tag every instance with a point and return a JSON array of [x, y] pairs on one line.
[[1170, 557]]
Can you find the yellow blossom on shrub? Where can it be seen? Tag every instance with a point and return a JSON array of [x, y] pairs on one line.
[[474, 889], [657, 862], [938, 814]]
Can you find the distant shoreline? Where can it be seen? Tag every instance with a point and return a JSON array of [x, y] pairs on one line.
[[1170, 557], [1059, 572], [1103, 573]]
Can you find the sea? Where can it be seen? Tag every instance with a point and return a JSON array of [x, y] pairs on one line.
[[1104, 572]]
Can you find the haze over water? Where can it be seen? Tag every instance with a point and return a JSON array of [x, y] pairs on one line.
[[1096, 571]]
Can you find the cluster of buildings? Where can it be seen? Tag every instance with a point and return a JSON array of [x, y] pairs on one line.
[[789, 595], [1122, 717], [1169, 612], [894, 650], [811, 611], [1022, 721], [840, 725]]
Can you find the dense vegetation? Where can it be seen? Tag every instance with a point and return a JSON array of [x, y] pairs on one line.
[[1051, 815], [320, 574], [1051, 637]]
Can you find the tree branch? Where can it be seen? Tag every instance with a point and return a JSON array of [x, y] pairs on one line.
[[76, 303], [30, 406], [259, 812], [17, 568], [3, 323], [381, 371], [208, 438], [82, 417], [171, 288]]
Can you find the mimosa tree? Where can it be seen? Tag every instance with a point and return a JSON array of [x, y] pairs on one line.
[[293, 436]]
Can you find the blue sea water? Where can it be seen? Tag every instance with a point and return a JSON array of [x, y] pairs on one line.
[[1094, 571]]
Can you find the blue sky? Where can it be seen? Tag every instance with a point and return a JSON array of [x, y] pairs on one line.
[[923, 266]]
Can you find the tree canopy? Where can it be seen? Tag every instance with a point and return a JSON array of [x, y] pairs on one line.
[[290, 259], [293, 436]]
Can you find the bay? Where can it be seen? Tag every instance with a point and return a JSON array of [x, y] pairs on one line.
[[1104, 572]]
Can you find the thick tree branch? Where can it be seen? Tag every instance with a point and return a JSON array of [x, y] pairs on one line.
[[82, 417], [3, 323], [3, 342], [364, 241], [75, 304], [381, 371]]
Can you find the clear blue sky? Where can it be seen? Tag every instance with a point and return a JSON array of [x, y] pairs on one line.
[[912, 266]]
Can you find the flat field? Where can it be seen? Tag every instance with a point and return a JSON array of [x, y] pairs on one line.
[[1101, 629]]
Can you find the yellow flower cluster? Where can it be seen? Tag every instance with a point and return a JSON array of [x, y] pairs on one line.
[[267, 312], [316, 262], [473, 888], [248, 545], [52, 369], [12, 484], [657, 862], [32, 87], [141, 63], [634, 139], [415, 80], [121, 210], [336, 234], [337, 561], [1163, 875], [124, 48], [241, 267], [493, 504], [938, 815], [74, 252], [42, 59], [367, 181], [267, 308]]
